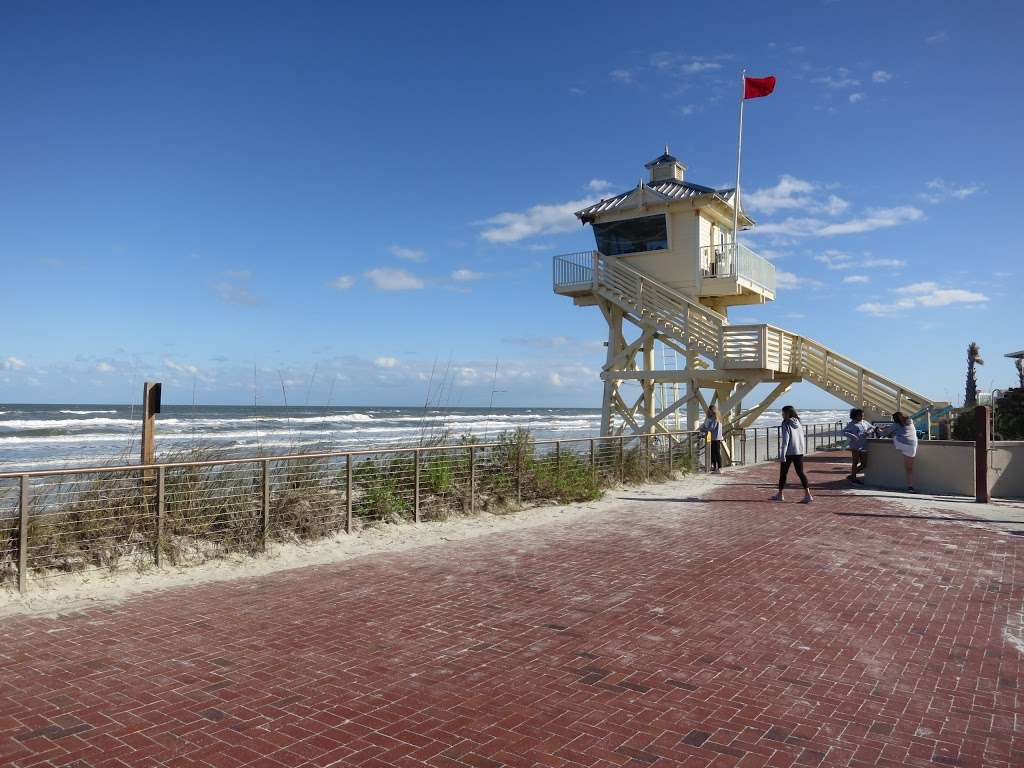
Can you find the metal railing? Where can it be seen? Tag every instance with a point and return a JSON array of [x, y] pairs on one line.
[[53, 522], [573, 269], [728, 260]]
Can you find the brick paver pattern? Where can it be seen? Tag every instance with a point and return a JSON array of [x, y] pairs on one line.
[[725, 632]]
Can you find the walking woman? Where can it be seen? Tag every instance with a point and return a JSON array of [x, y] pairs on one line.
[[792, 452], [904, 439], [713, 427]]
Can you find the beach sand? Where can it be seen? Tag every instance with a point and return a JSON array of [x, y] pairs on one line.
[[63, 593]]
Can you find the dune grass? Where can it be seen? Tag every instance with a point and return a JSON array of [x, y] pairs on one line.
[[110, 520]]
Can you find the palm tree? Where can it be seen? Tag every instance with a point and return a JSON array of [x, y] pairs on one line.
[[973, 358]]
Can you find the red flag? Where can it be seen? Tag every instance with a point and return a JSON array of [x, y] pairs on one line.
[[755, 87]]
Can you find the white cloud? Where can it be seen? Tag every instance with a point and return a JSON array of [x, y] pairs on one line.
[[889, 263], [839, 260], [851, 279], [385, 279], [235, 289], [791, 192], [191, 370], [881, 76], [787, 280], [923, 294], [938, 37], [835, 259], [13, 364], [598, 185], [624, 76], [342, 282], [104, 368], [409, 254], [940, 190], [856, 97], [842, 80], [875, 218], [510, 227], [385, 362], [699, 65], [466, 275]]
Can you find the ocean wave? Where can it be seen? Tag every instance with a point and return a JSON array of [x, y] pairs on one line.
[[99, 421], [78, 412]]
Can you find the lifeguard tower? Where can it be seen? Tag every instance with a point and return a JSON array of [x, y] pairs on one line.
[[668, 265]]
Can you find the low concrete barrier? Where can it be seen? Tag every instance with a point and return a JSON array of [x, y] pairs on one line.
[[942, 466], [1006, 469]]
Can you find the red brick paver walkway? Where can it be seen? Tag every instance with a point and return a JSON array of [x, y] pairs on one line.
[[728, 632]]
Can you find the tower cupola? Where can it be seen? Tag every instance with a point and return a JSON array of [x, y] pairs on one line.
[[665, 168]]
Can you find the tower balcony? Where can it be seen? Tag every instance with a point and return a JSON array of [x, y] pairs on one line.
[[733, 268]]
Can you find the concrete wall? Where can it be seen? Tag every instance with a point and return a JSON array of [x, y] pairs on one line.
[[942, 466], [947, 466], [1006, 469]]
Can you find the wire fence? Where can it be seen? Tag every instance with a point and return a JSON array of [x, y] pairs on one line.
[[79, 520]]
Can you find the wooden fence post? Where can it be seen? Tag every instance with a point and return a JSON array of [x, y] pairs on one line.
[[26, 493], [593, 461], [416, 485], [161, 504], [348, 493], [982, 438], [265, 500], [519, 474], [472, 479], [622, 459], [558, 462]]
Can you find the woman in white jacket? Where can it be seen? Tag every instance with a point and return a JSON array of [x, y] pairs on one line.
[[792, 452], [904, 440]]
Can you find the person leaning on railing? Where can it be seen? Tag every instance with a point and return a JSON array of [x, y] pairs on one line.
[[858, 431], [713, 426]]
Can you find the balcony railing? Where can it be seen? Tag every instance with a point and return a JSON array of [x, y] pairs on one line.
[[728, 260]]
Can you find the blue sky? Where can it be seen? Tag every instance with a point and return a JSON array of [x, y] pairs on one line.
[[345, 200]]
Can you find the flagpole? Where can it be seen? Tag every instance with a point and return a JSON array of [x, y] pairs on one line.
[[736, 195]]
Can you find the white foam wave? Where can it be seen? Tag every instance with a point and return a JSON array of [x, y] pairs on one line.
[[80, 413]]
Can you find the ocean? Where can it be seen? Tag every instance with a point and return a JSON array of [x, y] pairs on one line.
[[51, 436]]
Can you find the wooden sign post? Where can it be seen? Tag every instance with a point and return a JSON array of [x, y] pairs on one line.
[[150, 407]]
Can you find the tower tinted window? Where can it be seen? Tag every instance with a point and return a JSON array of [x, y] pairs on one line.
[[632, 236]]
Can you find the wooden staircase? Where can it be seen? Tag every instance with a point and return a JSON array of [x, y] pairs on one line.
[[750, 348]]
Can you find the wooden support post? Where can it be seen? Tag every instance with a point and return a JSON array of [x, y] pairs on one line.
[[558, 461], [348, 493], [25, 498], [161, 504], [264, 500], [645, 456], [668, 457], [593, 461], [982, 438], [622, 459], [755, 445], [472, 479], [416, 485]]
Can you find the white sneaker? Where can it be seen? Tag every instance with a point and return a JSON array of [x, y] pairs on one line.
[[778, 497], [807, 499]]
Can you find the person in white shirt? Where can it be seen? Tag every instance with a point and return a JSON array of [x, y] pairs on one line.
[[904, 439], [712, 426]]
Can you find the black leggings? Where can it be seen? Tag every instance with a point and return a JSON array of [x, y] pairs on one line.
[[716, 454], [798, 464]]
